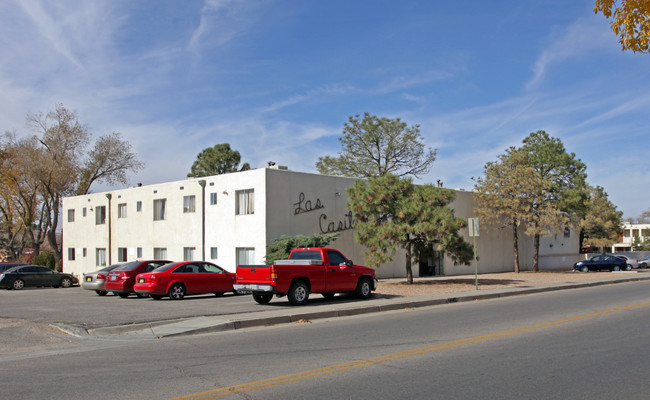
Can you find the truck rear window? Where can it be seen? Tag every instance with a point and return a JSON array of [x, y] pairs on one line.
[[305, 255]]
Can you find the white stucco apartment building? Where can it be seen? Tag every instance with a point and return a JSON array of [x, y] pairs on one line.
[[230, 219]]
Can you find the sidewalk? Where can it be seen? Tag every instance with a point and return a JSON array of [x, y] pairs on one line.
[[268, 316]]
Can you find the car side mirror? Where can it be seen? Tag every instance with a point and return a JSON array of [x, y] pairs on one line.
[[349, 263]]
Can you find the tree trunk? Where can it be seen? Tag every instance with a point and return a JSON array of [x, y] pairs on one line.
[[536, 256], [515, 240], [409, 271]]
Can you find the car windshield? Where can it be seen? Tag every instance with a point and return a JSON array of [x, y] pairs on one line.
[[165, 267], [128, 266]]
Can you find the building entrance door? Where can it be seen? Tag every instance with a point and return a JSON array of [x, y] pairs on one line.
[[431, 263]]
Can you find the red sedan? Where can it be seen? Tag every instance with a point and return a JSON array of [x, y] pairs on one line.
[[182, 278], [121, 279]]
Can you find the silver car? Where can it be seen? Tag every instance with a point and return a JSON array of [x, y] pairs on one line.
[[95, 280]]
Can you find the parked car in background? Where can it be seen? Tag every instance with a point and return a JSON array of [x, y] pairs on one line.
[[644, 262], [95, 280], [34, 276], [6, 265], [179, 279], [600, 262], [121, 279], [631, 263]]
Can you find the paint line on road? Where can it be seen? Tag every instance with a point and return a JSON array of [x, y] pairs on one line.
[[246, 387]]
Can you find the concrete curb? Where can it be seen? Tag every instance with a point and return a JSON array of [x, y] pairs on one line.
[[210, 324]]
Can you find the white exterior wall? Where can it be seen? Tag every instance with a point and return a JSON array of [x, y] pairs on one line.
[[286, 203]]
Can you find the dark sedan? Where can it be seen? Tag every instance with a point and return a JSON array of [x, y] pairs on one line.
[[35, 276], [600, 262]]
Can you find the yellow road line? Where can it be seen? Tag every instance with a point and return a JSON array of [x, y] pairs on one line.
[[245, 387]]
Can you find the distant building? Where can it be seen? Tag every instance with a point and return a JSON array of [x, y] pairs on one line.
[[632, 232], [230, 219]]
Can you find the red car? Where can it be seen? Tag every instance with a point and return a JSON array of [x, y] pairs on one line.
[[182, 278], [121, 279]]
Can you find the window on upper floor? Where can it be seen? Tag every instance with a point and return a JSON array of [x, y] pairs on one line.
[[71, 215], [189, 204], [121, 210], [245, 202], [100, 215], [159, 209], [213, 199]]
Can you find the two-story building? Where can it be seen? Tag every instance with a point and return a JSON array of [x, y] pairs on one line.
[[230, 219]]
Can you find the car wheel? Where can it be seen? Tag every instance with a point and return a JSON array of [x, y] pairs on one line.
[[328, 296], [628, 267], [298, 293], [123, 295], [156, 296], [177, 292], [584, 269], [101, 292], [66, 282], [262, 298], [18, 284], [363, 288]]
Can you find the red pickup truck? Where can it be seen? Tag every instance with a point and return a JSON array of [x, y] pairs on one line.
[[308, 270]]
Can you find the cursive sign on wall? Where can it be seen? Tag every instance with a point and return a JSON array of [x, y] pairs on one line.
[[303, 206]]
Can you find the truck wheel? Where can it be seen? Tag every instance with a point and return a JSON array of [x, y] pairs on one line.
[[262, 298], [298, 293], [363, 288]]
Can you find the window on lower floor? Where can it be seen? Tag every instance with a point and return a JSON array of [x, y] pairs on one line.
[[121, 254], [71, 215], [213, 253], [160, 253], [189, 253], [84, 252], [71, 253], [100, 256], [245, 255], [139, 252]]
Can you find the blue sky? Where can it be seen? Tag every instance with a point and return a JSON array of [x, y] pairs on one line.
[[278, 79]]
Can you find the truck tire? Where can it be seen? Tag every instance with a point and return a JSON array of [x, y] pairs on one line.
[[262, 298], [298, 293], [364, 289]]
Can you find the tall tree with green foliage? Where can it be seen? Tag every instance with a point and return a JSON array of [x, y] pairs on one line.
[[217, 160], [282, 246], [601, 224], [392, 212], [375, 146], [567, 191], [506, 194]]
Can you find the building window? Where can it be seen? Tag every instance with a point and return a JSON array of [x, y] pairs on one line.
[[100, 215], [245, 202], [138, 252], [121, 210], [213, 253], [121, 254], [159, 209], [160, 253], [71, 254], [189, 204], [189, 253], [138, 206], [245, 255], [213, 199], [83, 211], [71, 215], [100, 256], [83, 252]]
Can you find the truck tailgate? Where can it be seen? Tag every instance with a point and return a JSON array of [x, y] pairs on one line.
[[253, 274]]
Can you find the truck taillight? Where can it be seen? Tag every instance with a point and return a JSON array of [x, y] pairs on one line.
[[274, 273]]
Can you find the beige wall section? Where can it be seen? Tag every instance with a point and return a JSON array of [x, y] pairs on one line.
[[286, 203]]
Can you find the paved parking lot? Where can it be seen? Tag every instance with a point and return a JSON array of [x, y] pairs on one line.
[[83, 308]]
